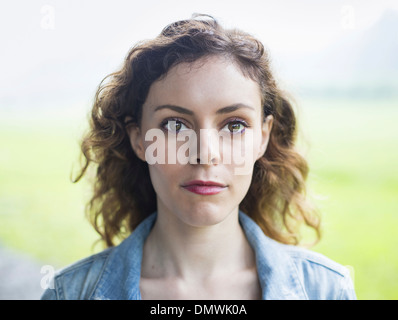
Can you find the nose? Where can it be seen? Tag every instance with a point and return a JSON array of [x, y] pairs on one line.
[[208, 147]]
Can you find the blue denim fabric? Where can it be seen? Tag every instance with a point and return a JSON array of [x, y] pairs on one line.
[[285, 271]]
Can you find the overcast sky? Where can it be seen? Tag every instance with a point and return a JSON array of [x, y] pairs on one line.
[[34, 32]]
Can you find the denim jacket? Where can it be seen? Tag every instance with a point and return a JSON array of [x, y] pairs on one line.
[[284, 271]]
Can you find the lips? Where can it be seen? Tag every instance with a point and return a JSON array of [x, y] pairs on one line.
[[204, 187]]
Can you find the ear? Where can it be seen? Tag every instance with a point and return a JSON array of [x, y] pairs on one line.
[[134, 133], [265, 134]]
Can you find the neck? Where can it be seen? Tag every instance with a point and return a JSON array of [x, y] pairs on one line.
[[175, 249]]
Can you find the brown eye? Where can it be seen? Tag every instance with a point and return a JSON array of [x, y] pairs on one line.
[[172, 125], [236, 127]]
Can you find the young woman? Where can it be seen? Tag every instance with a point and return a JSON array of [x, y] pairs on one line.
[[191, 220]]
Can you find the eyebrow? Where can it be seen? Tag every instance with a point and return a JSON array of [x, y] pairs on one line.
[[224, 110]]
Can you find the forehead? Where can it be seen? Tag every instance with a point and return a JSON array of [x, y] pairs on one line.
[[211, 82]]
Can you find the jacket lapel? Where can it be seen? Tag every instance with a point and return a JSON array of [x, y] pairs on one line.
[[120, 278], [278, 275]]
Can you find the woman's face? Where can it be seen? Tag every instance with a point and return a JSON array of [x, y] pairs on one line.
[[190, 102]]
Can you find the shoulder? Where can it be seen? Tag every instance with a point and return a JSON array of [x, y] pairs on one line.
[[113, 274], [292, 272], [320, 276], [78, 280]]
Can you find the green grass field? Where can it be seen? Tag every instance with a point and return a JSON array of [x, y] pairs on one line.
[[351, 147]]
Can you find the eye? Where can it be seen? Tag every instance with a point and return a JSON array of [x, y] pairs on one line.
[[236, 126], [173, 125]]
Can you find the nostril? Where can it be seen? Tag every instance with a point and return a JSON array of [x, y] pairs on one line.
[[212, 161]]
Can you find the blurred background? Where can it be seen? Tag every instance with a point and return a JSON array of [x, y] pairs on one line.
[[337, 58]]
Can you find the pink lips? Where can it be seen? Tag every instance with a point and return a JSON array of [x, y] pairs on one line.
[[204, 187]]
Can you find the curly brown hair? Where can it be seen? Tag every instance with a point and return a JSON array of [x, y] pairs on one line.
[[123, 193]]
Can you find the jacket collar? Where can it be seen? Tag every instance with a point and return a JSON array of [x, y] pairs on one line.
[[279, 278], [120, 277]]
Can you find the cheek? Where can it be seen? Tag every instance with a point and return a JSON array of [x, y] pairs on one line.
[[242, 151], [165, 173], [163, 177], [240, 184]]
